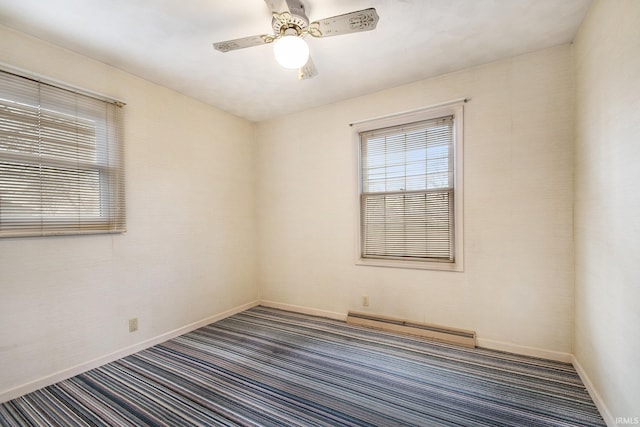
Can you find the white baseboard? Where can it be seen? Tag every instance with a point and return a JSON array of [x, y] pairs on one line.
[[305, 310], [525, 350], [127, 351], [486, 343], [595, 396]]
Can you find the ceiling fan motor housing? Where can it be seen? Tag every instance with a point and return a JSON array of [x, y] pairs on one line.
[[294, 20]]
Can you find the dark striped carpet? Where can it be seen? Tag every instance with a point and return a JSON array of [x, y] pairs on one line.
[[266, 367]]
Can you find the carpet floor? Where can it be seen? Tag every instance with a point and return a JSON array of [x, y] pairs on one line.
[[266, 367]]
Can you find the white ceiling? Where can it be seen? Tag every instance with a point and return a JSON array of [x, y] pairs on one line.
[[169, 42]]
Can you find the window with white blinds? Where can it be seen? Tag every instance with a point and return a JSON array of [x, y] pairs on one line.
[[61, 161], [408, 184]]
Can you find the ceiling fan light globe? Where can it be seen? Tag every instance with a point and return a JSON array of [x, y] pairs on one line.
[[291, 51]]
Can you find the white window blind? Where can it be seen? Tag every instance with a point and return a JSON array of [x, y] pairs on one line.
[[407, 191], [61, 161]]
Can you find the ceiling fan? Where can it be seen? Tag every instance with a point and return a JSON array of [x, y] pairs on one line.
[[290, 25]]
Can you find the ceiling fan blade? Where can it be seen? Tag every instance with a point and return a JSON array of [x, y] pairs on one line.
[[296, 8], [277, 6], [362, 20], [242, 43], [308, 70]]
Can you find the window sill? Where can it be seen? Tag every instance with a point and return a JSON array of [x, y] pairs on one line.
[[416, 265]]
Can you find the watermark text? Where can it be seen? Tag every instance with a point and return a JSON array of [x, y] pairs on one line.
[[621, 421]]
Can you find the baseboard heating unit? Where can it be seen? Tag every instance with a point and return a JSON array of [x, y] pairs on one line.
[[461, 337]]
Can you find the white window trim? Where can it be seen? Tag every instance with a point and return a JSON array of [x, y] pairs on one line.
[[455, 108]]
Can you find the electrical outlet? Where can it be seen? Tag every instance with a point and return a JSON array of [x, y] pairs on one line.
[[133, 324], [365, 301]]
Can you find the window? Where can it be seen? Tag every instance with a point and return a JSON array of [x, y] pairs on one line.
[[61, 166], [411, 190]]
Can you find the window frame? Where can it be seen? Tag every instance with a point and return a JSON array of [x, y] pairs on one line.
[[455, 109], [106, 170]]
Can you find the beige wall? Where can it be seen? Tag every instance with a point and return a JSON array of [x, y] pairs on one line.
[[607, 219], [517, 287], [190, 249]]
